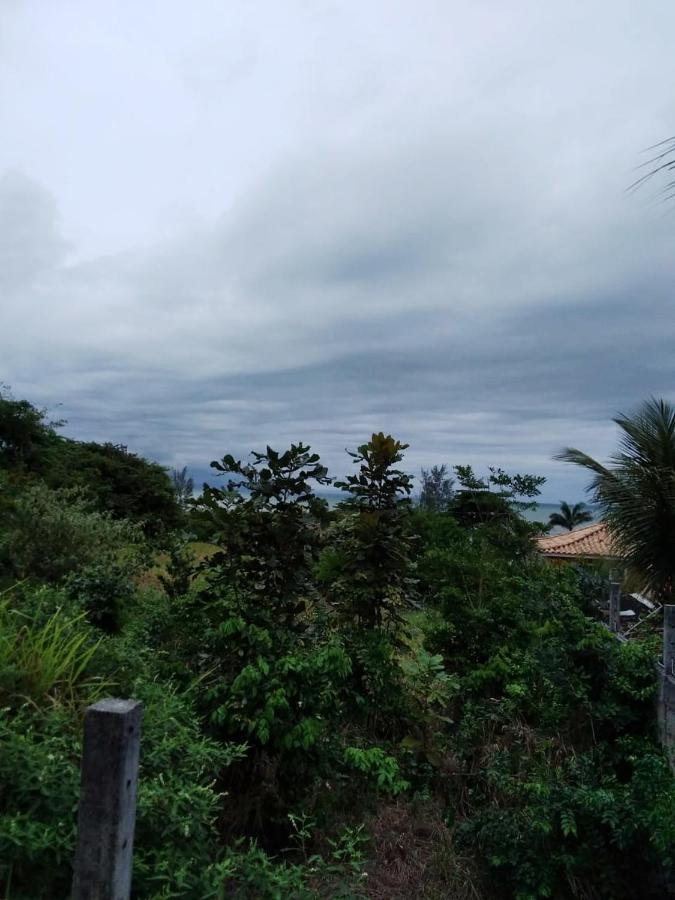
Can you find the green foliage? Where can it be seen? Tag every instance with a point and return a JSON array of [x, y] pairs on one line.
[[552, 827], [266, 523], [268, 685], [376, 764], [636, 492], [39, 784], [117, 481], [43, 663], [335, 873], [179, 569], [277, 689], [102, 590], [378, 485], [338, 874], [25, 432], [176, 847], [376, 697], [494, 505], [271, 672], [45, 680], [484, 598], [319, 671], [253, 875], [429, 683], [556, 715], [370, 572], [54, 533]]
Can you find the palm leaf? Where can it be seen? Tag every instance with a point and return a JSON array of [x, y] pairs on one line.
[[636, 492]]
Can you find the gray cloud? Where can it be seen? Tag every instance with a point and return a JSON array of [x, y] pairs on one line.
[[435, 245], [31, 247]]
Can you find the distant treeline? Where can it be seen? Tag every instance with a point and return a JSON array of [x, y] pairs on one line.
[[120, 482]]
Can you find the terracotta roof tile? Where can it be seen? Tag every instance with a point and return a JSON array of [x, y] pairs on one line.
[[590, 541]]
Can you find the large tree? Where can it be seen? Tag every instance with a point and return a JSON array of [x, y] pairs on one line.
[[636, 492]]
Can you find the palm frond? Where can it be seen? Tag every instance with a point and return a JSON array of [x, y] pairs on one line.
[[636, 492]]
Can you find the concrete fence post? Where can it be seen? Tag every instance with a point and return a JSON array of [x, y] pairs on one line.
[[614, 606], [107, 809], [669, 638]]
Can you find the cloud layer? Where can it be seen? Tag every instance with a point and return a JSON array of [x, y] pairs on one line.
[[432, 240]]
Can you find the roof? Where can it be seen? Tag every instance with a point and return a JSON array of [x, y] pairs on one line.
[[592, 541]]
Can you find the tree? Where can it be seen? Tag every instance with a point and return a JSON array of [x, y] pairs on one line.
[[373, 542], [498, 497], [636, 492], [436, 493], [25, 432], [122, 483], [570, 516], [266, 522], [183, 486], [493, 505]]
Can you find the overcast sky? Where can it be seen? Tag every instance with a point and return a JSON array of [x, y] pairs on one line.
[[225, 224]]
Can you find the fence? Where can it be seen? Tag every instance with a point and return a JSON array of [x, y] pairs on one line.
[[665, 667], [665, 673], [107, 809]]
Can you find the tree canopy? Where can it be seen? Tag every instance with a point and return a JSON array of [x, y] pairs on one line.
[[118, 481]]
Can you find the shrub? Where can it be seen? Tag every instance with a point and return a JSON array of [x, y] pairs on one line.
[[102, 590], [54, 533], [39, 787]]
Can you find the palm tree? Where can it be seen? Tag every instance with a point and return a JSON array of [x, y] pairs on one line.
[[661, 164], [636, 493], [570, 516]]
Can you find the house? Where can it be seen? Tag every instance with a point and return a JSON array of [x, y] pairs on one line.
[[592, 542]]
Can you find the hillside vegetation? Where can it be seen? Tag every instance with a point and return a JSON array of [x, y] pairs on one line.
[[371, 701]]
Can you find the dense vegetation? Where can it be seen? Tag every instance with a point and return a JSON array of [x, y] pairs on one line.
[[378, 700]]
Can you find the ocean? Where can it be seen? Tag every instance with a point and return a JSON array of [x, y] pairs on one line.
[[539, 514]]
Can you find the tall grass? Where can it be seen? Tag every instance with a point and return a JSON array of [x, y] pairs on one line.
[[45, 663]]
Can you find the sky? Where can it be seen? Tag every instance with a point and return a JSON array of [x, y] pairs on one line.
[[225, 225]]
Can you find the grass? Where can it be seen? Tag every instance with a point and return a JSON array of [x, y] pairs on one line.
[[151, 576], [46, 663]]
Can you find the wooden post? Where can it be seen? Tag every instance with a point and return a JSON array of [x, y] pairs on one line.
[[107, 809], [669, 638], [614, 606]]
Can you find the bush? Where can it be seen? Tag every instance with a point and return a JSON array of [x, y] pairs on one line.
[[102, 590], [55, 533], [47, 676], [39, 788]]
